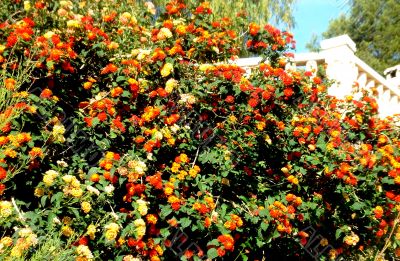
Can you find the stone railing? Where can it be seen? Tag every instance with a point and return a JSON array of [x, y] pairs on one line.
[[350, 73]]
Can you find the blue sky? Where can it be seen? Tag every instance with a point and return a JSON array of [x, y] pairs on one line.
[[312, 16]]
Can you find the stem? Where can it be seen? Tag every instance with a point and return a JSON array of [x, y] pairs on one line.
[[17, 209]]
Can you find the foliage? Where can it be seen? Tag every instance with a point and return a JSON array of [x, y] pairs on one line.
[[142, 140], [373, 27], [277, 11]]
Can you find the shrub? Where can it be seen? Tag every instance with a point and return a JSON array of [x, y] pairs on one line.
[[143, 140]]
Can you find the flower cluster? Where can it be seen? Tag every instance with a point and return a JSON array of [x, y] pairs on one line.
[[124, 123]]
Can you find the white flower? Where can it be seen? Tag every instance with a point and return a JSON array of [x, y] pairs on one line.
[[62, 163], [84, 251], [175, 128], [49, 34], [93, 190], [187, 98], [158, 135], [109, 189], [57, 220]]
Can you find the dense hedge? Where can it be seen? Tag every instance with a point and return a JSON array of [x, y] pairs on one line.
[[127, 133]]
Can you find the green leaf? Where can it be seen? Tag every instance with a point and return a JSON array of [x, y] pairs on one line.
[[338, 233], [213, 242], [43, 200], [260, 243], [357, 206], [264, 226], [185, 222], [121, 78], [387, 180], [212, 253], [165, 211]]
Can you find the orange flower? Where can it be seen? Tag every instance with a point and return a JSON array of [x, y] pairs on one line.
[[221, 252], [46, 93], [151, 219], [254, 29], [87, 85], [290, 197], [110, 68], [228, 241], [3, 173], [3, 140], [292, 179], [378, 211], [173, 222], [207, 222], [36, 152], [10, 84], [230, 225]]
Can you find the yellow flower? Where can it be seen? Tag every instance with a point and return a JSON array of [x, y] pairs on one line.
[[86, 207], [77, 193], [2, 48], [167, 69], [293, 179], [142, 207], [175, 167], [73, 23], [192, 173], [5, 208], [232, 119], [67, 178], [140, 227], [352, 239], [168, 191], [39, 192], [49, 177], [5, 241], [67, 231], [260, 125], [206, 67], [184, 158], [48, 34], [324, 242], [84, 251], [91, 231], [16, 251], [170, 85], [112, 230], [58, 129], [27, 6]]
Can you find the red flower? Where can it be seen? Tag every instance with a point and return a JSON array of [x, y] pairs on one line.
[[46, 93], [3, 173], [288, 92], [2, 188], [253, 102], [221, 251], [118, 124], [110, 68], [102, 116], [88, 121], [230, 99]]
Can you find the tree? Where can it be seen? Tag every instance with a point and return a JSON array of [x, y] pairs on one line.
[[373, 26], [276, 11]]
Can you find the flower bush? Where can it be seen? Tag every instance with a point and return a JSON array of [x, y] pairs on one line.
[[134, 136]]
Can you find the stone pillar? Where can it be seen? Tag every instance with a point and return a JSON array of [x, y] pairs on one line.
[[339, 56]]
